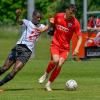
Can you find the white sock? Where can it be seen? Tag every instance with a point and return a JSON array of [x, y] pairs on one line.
[[48, 83]]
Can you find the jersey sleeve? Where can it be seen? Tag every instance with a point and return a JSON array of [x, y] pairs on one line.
[[78, 29], [25, 22], [42, 26]]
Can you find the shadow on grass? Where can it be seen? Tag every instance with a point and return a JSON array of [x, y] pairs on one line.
[[28, 89], [20, 89], [58, 89]]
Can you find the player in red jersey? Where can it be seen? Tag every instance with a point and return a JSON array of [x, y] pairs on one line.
[[65, 25], [93, 23]]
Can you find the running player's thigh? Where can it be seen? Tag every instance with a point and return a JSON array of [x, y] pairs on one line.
[[10, 59], [18, 66], [63, 57], [61, 61], [64, 54], [8, 63], [54, 54]]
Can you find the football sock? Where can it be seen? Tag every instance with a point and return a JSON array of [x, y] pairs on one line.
[[6, 79], [54, 74], [51, 66]]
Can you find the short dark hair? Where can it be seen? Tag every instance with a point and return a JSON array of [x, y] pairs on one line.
[[73, 8], [37, 12]]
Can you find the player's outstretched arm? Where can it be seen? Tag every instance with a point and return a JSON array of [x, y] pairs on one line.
[[18, 13], [43, 29], [76, 50], [77, 46]]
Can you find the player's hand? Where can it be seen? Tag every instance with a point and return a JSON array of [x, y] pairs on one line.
[[75, 53], [51, 20], [75, 56], [18, 11], [38, 30], [42, 29]]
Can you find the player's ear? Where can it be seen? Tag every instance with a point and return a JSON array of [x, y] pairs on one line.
[[51, 20]]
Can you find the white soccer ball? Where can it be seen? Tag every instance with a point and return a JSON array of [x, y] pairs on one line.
[[71, 84]]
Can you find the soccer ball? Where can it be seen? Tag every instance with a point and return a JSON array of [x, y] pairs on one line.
[[71, 84]]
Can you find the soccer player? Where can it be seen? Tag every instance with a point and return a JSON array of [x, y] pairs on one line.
[[65, 25], [21, 53], [93, 23]]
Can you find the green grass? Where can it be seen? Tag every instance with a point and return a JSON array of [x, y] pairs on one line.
[[25, 85]]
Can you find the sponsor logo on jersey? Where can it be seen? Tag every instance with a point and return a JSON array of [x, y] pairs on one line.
[[69, 24], [62, 28]]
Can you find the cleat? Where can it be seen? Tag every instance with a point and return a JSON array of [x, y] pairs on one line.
[[42, 79], [48, 88]]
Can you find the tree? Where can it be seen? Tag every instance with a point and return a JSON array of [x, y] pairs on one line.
[[7, 10], [48, 7]]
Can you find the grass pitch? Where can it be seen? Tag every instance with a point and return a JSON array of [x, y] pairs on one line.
[[25, 85]]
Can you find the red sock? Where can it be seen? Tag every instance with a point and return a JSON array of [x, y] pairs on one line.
[[54, 74], [51, 65]]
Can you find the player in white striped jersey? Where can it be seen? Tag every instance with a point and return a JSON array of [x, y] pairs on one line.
[[21, 53]]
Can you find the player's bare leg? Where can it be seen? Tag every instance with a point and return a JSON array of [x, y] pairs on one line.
[[56, 61], [17, 67], [52, 64], [50, 67], [8, 63], [54, 74]]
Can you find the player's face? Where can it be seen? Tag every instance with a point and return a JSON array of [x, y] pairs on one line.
[[69, 14], [36, 18]]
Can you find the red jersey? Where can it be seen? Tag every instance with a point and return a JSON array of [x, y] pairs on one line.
[[91, 23], [94, 23], [64, 30]]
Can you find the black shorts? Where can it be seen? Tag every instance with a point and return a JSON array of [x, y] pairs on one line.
[[20, 52]]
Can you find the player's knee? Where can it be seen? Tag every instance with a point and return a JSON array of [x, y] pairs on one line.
[[61, 62], [3, 69], [56, 61]]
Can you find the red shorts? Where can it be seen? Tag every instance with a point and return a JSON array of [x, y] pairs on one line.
[[55, 50]]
